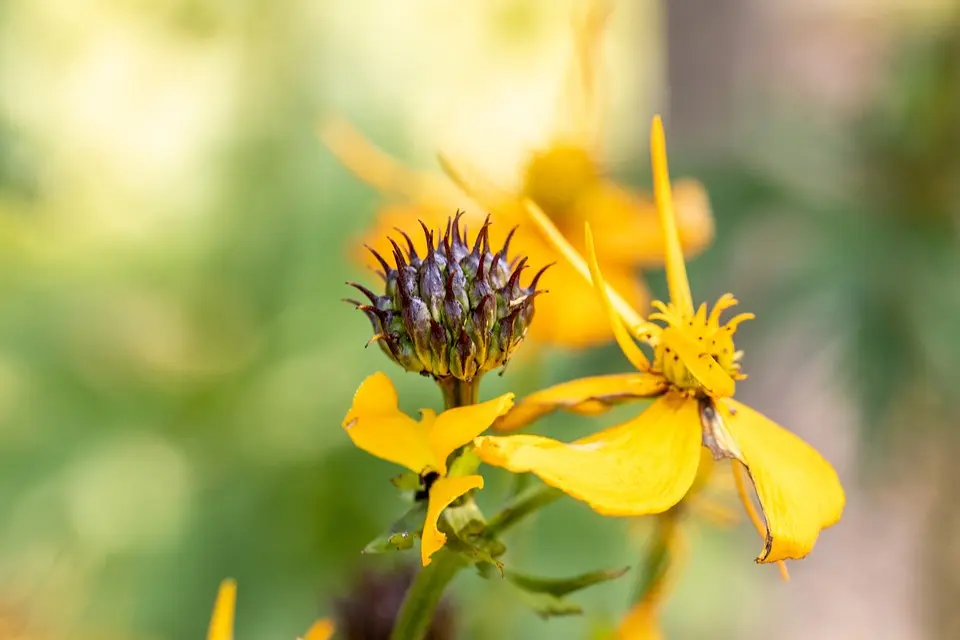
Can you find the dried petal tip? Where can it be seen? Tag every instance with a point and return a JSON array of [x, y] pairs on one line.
[[459, 312]]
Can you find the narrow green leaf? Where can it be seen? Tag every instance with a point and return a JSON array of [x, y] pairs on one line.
[[560, 587]]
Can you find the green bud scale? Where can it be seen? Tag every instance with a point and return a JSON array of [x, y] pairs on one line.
[[456, 312]]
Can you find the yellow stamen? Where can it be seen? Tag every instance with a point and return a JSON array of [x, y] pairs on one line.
[[725, 302], [677, 281], [752, 512]]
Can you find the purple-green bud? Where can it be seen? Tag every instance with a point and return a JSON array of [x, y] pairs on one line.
[[458, 311]]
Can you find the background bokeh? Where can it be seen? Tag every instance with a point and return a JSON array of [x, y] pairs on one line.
[[175, 359]]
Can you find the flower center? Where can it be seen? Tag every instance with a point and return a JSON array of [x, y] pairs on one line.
[[556, 177], [687, 339]]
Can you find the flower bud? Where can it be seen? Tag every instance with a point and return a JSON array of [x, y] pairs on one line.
[[459, 311]]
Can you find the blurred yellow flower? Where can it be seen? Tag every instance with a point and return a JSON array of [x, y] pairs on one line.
[[221, 622], [649, 463], [376, 425], [566, 180]]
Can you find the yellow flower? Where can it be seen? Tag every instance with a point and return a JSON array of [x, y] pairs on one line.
[[221, 622], [376, 425], [566, 180], [649, 463]]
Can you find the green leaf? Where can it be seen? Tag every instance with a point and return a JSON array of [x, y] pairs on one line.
[[402, 533], [466, 464], [560, 587]]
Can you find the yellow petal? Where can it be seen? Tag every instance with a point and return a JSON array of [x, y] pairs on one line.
[[676, 268], [490, 197], [570, 314], [379, 169], [627, 230], [799, 491], [556, 239], [456, 427], [586, 396], [701, 365], [643, 466], [376, 425], [623, 337], [321, 630], [640, 623], [221, 622], [442, 493]]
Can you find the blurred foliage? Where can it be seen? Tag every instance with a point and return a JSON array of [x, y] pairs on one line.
[[869, 261]]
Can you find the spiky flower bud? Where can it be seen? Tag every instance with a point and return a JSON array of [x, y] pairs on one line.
[[459, 311]]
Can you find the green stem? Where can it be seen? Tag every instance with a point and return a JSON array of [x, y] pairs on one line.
[[459, 393], [520, 507], [658, 559], [423, 596]]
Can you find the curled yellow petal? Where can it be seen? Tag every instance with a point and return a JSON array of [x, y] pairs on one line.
[[376, 425], [623, 337], [586, 396], [221, 622], [442, 493], [456, 427], [556, 239], [676, 268], [643, 466], [799, 491], [321, 630], [755, 517]]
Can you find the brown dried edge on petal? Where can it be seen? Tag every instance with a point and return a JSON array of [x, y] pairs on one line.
[[718, 440]]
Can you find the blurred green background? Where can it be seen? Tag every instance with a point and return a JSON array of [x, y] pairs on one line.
[[175, 359]]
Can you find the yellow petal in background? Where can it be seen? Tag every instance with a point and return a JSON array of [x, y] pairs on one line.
[[456, 427], [442, 493], [321, 630], [570, 315], [562, 246], [626, 228], [376, 425], [641, 623], [677, 281], [379, 169], [643, 466], [221, 622], [799, 491], [586, 396]]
